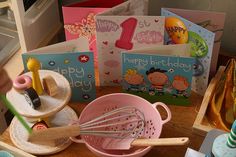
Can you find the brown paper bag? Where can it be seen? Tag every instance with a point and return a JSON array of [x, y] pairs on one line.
[[222, 108]]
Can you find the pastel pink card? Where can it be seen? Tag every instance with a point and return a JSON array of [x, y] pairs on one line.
[[124, 27], [79, 20]]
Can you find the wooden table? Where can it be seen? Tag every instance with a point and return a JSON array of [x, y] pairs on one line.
[[179, 126]]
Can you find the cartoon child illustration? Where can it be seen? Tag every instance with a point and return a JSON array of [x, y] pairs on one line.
[[158, 79], [134, 79], [180, 84]]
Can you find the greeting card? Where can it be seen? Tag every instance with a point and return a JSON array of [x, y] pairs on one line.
[[79, 19], [124, 27], [178, 31], [210, 20], [161, 73], [73, 60]]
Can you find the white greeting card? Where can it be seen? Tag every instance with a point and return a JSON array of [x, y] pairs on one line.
[[124, 27]]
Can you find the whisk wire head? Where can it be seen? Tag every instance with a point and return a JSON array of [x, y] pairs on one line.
[[124, 122]]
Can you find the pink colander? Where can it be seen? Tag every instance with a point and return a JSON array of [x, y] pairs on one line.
[[110, 102]]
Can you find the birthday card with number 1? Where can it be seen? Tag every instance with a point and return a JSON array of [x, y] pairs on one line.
[[124, 27], [74, 61]]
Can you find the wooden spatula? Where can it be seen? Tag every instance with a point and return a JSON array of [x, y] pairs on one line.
[[126, 144]]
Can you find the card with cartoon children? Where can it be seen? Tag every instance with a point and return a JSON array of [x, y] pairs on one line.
[[158, 77]]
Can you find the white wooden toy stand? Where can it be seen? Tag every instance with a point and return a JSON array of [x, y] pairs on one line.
[[54, 109]]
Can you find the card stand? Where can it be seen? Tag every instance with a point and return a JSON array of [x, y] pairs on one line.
[[53, 109]]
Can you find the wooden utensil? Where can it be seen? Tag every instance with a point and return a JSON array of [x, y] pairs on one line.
[[54, 133], [122, 117], [116, 144], [161, 141]]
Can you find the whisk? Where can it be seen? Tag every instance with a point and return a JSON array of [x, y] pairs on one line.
[[123, 122]]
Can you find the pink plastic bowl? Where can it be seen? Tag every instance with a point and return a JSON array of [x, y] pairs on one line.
[[107, 103]]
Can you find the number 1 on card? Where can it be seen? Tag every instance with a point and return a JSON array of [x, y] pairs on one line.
[[128, 28]]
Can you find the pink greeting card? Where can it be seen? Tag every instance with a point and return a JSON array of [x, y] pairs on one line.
[[79, 20]]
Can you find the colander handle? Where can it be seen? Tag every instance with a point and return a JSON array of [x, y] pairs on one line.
[[76, 140], [166, 109]]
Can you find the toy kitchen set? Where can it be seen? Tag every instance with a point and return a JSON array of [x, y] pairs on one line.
[[119, 82]]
